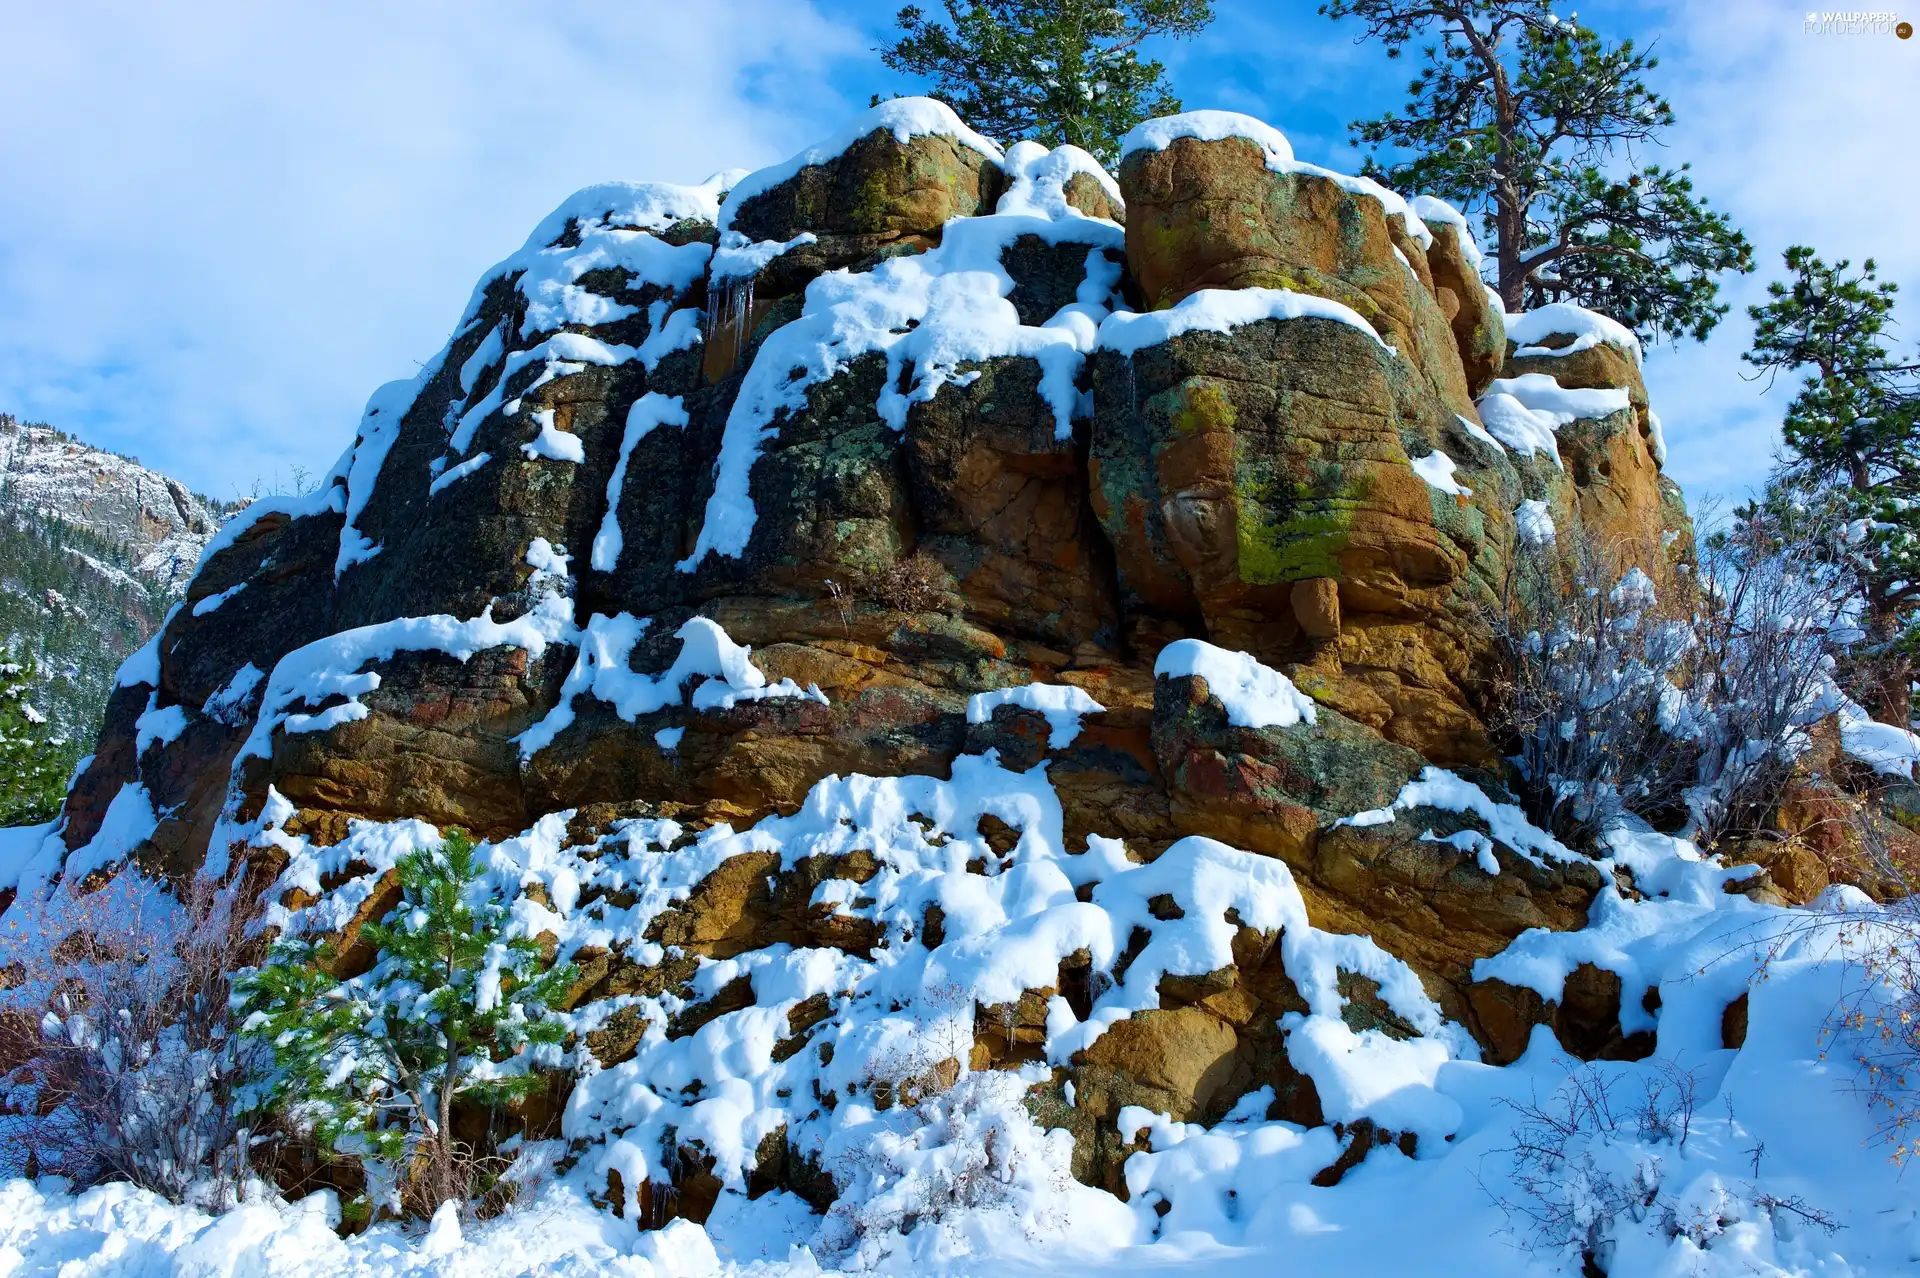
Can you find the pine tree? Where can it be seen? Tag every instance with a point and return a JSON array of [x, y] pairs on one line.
[[1055, 71], [1853, 432], [1530, 121], [449, 1012], [34, 760]]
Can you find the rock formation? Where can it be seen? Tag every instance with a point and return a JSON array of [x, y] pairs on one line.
[[960, 458]]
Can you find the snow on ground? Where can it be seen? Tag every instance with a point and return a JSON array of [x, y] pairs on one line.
[[1727, 1184], [1776, 1138]]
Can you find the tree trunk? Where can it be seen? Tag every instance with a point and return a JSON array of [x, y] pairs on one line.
[[1887, 687], [447, 1190]]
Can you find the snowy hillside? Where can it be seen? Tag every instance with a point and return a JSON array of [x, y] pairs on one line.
[[93, 549]]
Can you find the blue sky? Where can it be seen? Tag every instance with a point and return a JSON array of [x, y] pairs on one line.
[[223, 223]]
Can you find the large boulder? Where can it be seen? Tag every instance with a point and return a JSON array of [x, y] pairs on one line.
[[1219, 208], [1613, 460], [1259, 486], [876, 486], [1472, 309]]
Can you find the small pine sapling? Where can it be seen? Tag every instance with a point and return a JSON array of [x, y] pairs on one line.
[[454, 1009]]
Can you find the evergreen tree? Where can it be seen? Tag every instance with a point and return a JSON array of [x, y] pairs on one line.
[[1055, 71], [1853, 433], [448, 1013], [1530, 121], [34, 760]]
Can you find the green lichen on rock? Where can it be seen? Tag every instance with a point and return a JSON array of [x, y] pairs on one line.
[[1292, 531]]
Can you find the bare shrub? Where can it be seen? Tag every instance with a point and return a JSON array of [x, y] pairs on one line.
[[124, 1063], [918, 583], [944, 1144], [1589, 653], [1775, 608], [1876, 1020], [1595, 1160], [971, 1149], [1692, 697]]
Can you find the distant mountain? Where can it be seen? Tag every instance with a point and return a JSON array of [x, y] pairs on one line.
[[94, 547]]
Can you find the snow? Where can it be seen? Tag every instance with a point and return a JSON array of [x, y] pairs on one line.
[[1534, 521], [19, 846], [1220, 310], [1439, 788], [1437, 469], [379, 428], [162, 726], [650, 411], [740, 258], [931, 313], [1775, 1119], [1255, 696], [1062, 704], [1524, 412], [1037, 181], [1888, 750], [668, 739], [454, 474], [1588, 329], [142, 665], [227, 705], [1433, 209], [484, 356], [1634, 590], [129, 821], [1656, 437], [724, 668], [212, 602], [552, 442], [331, 667], [614, 226], [1213, 126], [546, 559], [905, 118]]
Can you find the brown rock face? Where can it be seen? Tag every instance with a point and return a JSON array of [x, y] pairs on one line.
[[1240, 476], [1479, 333], [1617, 483], [879, 191], [1213, 215]]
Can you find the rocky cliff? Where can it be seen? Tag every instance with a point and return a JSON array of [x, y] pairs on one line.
[[922, 576], [95, 548]]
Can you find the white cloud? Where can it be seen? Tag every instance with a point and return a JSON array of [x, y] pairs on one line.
[[1803, 139], [223, 223]]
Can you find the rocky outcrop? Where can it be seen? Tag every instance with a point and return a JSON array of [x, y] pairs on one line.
[[883, 416]]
